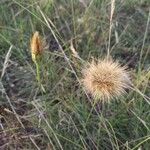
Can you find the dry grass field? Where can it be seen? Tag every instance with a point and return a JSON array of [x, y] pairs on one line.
[[51, 99]]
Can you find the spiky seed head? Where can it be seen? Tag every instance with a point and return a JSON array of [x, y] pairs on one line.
[[105, 79], [36, 46]]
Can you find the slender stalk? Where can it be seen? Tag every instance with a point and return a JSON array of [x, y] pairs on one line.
[[93, 108], [110, 27], [38, 72], [38, 77]]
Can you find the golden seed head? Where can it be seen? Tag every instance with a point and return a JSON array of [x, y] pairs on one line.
[[36, 46], [105, 79]]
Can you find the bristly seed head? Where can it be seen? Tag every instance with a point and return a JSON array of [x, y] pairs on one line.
[[36, 46], [105, 79]]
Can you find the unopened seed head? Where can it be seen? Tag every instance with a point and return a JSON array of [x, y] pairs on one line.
[[105, 79], [36, 46]]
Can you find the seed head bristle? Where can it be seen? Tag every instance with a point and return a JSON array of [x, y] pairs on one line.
[[105, 79]]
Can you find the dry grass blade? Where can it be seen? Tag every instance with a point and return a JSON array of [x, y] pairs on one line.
[[5, 65], [110, 26], [34, 143], [146, 98], [11, 106], [36, 105], [74, 52], [141, 120], [145, 36]]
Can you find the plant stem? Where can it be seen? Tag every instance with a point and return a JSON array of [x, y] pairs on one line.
[[93, 107], [38, 72], [38, 76]]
